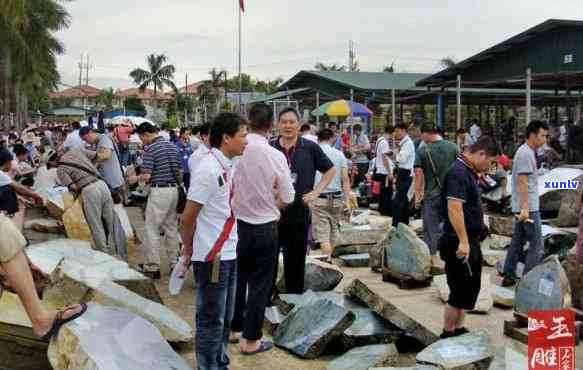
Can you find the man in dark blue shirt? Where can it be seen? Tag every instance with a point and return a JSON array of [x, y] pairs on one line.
[[304, 159], [463, 231]]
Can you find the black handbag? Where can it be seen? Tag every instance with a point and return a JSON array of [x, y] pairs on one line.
[[181, 203]]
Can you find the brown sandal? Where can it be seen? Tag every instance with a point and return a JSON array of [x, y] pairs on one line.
[[59, 321]]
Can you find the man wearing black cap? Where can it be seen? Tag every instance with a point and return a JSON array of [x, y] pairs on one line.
[[161, 169]]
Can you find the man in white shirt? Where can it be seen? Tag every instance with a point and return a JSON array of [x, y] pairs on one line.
[[327, 208], [209, 240], [383, 171], [73, 140], [475, 131], [405, 160], [306, 133], [264, 179]]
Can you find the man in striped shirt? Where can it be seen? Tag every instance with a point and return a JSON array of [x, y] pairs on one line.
[[161, 169]]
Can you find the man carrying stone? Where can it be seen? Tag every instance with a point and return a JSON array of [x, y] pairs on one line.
[[77, 172], [432, 161], [209, 238], [107, 161], [328, 207], [405, 160], [304, 158], [266, 186], [161, 169], [463, 230], [525, 204]]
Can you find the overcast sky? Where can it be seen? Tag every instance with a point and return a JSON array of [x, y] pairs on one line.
[[282, 37]]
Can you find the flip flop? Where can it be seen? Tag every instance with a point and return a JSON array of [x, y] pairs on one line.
[[263, 347], [59, 321]]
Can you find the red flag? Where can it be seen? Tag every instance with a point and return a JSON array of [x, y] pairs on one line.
[[242, 5]]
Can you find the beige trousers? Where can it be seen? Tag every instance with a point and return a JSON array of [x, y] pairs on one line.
[[161, 216]]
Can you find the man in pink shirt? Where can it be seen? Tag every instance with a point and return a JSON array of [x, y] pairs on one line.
[[263, 185]]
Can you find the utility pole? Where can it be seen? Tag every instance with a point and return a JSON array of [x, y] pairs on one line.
[[351, 56], [81, 71], [187, 98]]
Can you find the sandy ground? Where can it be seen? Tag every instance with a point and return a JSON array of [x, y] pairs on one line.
[[421, 304]]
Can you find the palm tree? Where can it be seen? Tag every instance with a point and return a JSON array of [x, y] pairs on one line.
[[448, 62], [106, 99], [159, 75], [210, 91], [27, 52], [333, 67]]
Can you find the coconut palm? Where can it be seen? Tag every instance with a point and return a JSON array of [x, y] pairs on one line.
[[158, 75], [333, 67], [28, 49], [447, 62]]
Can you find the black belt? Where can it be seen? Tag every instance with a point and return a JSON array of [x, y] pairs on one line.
[[164, 185], [335, 195]]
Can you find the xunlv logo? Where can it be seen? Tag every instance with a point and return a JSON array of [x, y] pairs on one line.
[[561, 184]]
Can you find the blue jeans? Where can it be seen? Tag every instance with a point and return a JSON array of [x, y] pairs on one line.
[[521, 233], [214, 311]]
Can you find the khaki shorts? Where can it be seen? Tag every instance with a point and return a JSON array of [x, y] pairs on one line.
[[326, 216], [12, 240]]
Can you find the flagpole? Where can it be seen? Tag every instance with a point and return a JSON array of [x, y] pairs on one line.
[[240, 77]]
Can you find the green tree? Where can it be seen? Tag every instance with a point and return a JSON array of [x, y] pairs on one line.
[[28, 69], [134, 104], [390, 69], [158, 75], [332, 67], [106, 99], [447, 62]]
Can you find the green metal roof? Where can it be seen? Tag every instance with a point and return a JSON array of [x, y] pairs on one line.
[[372, 81], [536, 47], [277, 95]]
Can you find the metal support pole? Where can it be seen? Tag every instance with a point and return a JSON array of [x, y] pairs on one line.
[[459, 101], [317, 107], [393, 108], [351, 101], [528, 94]]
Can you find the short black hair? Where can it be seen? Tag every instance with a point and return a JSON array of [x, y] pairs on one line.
[[357, 127], [332, 124], [183, 130], [460, 131], [205, 129], [428, 128], [288, 110], [146, 127], [225, 124], [325, 134], [402, 126], [261, 117], [487, 144], [19, 149], [5, 156], [389, 129], [76, 125], [305, 127], [534, 127], [195, 130]]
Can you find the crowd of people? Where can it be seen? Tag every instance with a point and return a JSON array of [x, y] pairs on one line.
[[229, 196]]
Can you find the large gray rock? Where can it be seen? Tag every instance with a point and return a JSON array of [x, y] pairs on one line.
[[351, 249], [364, 234], [319, 276], [474, 349], [483, 304], [355, 260], [503, 296], [570, 201], [287, 302], [574, 272], [71, 283], [308, 329], [507, 358], [407, 256], [492, 256], [48, 255], [545, 287], [112, 339], [362, 358], [377, 250], [501, 225], [382, 306]]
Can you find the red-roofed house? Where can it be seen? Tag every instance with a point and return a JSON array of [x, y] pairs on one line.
[[79, 95], [146, 96]]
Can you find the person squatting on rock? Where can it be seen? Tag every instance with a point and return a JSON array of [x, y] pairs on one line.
[[463, 230], [263, 186], [209, 240]]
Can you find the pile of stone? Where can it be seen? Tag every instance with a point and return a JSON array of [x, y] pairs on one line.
[[361, 238]]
